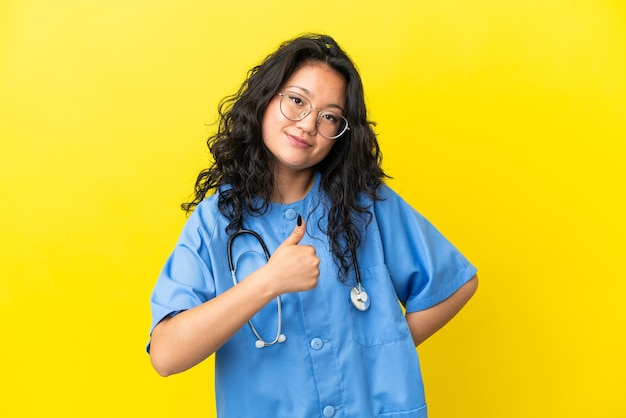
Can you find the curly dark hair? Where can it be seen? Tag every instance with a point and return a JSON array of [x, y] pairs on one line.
[[242, 161]]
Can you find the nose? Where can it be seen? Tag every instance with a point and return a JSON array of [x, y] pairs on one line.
[[309, 123]]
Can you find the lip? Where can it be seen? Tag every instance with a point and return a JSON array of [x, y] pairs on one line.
[[298, 142]]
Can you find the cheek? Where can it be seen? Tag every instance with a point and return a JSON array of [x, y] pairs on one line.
[[270, 128], [325, 149], [267, 129], [271, 118]]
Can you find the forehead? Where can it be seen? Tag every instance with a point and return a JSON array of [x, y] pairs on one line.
[[319, 82]]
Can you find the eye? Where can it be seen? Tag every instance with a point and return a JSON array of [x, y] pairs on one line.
[[297, 100], [330, 117]]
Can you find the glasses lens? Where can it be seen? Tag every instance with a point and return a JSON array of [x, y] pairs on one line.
[[294, 106], [331, 125]]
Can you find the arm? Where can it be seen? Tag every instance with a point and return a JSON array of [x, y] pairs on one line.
[[425, 323], [180, 342]]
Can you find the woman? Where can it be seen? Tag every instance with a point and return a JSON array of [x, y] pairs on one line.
[[316, 330]]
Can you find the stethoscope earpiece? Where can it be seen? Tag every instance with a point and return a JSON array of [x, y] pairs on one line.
[[260, 343], [359, 297], [280, 337]]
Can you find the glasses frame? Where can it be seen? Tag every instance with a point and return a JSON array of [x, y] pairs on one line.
[[320, 112]]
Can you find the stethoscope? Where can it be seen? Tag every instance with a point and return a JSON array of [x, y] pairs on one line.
[[358, 295]]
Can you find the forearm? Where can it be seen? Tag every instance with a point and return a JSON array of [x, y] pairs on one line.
[[180, 342], [425, 323]]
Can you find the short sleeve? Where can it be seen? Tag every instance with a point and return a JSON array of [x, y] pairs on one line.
[[424, 266], [186, 279]]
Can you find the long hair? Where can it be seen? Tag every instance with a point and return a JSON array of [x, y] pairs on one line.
[[241, 160]]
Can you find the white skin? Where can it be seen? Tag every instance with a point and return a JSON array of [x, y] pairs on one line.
[[180, 342]]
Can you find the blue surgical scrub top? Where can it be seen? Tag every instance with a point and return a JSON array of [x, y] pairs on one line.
[[337, 361]]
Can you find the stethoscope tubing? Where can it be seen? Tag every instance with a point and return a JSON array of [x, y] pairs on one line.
[[280, 337], [358, 295]]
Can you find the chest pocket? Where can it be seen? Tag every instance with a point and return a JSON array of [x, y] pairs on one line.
[[384, 321]]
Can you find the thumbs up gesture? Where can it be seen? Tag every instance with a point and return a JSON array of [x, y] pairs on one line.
[[294, 267]]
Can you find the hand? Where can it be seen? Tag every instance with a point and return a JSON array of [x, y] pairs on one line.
[[293, 267]]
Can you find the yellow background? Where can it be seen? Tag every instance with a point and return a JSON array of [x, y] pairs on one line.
[[504, 122]]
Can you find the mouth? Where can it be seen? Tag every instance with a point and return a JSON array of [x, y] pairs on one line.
[[298, 142]]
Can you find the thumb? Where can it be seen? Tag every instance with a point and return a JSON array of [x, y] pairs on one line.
[[296, 234]]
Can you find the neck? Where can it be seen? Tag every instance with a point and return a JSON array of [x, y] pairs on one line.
[[292, 187]]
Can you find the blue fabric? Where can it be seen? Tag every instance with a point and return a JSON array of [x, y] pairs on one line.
[[337, 361]]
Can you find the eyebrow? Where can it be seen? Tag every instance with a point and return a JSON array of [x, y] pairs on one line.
[[309, 93]]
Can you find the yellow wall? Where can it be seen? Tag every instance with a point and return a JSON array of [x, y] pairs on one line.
[[504, 122]]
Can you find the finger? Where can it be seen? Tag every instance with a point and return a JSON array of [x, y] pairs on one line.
[[296, 234]]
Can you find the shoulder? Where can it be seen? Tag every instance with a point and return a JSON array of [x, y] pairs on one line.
[[389, 200], [204, 221], [206, 210], [393, 213]]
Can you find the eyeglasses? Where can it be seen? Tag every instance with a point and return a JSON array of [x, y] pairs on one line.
[[330, 125]]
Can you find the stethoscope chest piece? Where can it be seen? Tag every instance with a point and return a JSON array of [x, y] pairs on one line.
[[359, 298]]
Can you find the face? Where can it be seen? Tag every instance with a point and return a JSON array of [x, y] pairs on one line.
[[297, 145]]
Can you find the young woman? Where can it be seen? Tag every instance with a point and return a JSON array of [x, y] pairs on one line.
[[296, 256]]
